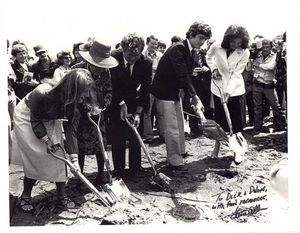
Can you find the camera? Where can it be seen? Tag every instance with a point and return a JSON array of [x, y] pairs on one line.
[[255, 49]]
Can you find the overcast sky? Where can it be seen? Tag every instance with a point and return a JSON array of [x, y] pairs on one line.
[[59, 24]]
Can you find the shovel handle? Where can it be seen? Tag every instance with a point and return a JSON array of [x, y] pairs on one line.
[[76, 172], [142, 144], [102, 148], [227, 114]]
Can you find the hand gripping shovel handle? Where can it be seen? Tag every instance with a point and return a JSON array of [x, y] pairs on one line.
[[76, 172], [102, 148], [142, 145], [227, 114]]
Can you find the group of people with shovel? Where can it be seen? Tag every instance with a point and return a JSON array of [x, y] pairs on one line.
[[112, 87]]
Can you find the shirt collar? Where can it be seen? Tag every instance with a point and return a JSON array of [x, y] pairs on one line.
[[190, 46], [125, 61]]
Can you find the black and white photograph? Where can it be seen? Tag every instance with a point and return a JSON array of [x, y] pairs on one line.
[[150, 116]]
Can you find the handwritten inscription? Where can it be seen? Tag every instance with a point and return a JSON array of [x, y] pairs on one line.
[[245, 203]]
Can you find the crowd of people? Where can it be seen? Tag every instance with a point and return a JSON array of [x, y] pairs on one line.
[[154, 86]]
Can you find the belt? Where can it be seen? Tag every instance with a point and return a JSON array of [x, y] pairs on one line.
[[263, 85]]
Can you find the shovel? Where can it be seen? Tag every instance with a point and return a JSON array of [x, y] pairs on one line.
[[116, 186], [237, 142], [210, 128], [104, 198], [158, 178]]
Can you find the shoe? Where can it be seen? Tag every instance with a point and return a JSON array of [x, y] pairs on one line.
[[255, 131], [65, 203], [195, 133], [186, 154], [237, 158], [26, 204], [100, 180], [140, 172], [80, 186], [119, 173], [149, 141], [178, 168]]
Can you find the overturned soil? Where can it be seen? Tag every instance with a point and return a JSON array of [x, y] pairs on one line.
[[212, 191]]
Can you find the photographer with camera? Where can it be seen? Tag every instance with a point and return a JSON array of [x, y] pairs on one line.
[[264, 85]]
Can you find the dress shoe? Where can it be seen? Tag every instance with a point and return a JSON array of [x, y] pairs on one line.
[[186, 154], [119, 173], [140, 172], [149, 141], [256, 131], [195, 133]]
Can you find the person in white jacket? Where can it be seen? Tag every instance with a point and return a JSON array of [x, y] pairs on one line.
[[227, 62]]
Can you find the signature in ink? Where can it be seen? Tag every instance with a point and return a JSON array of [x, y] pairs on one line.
[[245, 211]]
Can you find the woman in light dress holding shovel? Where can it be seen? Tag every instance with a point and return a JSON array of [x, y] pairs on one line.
[[227, 62], [37, 128]]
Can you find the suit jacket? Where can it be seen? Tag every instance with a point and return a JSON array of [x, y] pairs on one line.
[[173, 73], [133, 90], [230, 68]]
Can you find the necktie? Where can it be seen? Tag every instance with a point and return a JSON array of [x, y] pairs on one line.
[[127, 70], [193, 53]]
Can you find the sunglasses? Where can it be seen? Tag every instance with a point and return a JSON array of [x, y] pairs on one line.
[[66, 57], [40, 53]]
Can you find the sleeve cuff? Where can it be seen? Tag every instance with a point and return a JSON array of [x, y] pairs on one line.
[[45, 138]]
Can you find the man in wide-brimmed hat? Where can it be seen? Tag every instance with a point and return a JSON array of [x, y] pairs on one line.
[[131, 79], [97, 59]]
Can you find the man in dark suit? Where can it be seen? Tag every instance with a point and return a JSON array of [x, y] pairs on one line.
[[173, 73], [130, 79]]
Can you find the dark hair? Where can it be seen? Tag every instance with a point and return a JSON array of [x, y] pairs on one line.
[[235, 31], [258, 36], [199, 27], [175, 39], [161, 43], [151, 37], [60, 56], [133, 42]]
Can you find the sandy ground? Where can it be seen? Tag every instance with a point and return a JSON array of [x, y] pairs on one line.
[[212, 191]]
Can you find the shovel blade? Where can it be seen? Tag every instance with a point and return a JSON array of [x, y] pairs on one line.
[[213, 130], [238, 143], [117, 189]]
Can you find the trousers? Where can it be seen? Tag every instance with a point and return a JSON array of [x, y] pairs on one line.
[[174, 130]]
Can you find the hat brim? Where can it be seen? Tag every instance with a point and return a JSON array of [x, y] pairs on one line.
[[107, 63], [41, 50]]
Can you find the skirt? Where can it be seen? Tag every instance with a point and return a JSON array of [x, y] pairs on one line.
[[236, 107], [31, 153]]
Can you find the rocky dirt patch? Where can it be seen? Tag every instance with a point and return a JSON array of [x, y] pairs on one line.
[[212, 191]]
